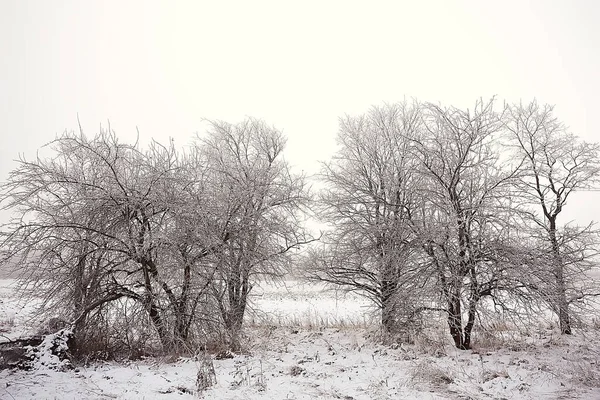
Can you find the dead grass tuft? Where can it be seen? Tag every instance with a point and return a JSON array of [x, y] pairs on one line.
[[426, 372], [586, 373]]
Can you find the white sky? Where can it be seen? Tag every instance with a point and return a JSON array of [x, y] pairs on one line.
[[163, 66]]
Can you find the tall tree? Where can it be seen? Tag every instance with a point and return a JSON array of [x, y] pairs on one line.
[[556, 164], [462, 228], [262, 207], [368, 198]]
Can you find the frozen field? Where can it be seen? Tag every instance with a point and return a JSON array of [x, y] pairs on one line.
[[298, 303], [343, 361]]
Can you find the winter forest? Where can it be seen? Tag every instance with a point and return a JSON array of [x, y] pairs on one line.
[[446, 222]]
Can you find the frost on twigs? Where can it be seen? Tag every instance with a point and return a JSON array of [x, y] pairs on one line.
[[52, 353]]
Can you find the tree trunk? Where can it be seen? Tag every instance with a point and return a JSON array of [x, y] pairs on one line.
[[233, 316], [388, 309], [564, 318], [153, 310], [470, 323], [156, 319], [79, 300], [561, 305], [182, 320], [455, 321], [474, 297], [233, 323], [234, 331], [388, 318]]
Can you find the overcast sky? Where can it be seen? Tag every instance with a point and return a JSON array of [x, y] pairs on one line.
[[163, 66]]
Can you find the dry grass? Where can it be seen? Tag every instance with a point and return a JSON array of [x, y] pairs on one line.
[[426, 372], [310, 321], [585, 373], [7, 324], [489, 375], [433, 341]]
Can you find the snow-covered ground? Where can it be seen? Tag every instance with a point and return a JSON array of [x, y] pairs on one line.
[[308, 304], [342, 361], [15, 315]]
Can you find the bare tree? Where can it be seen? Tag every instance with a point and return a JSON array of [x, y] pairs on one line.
[[462, 225], [261, 217], [556, 163], [64, 225], [368, 199], [94, 225], [178, 236]]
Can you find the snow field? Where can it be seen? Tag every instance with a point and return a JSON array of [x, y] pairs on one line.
[[344, 360]]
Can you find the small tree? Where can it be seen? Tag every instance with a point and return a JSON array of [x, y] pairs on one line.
[[555, 164]]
